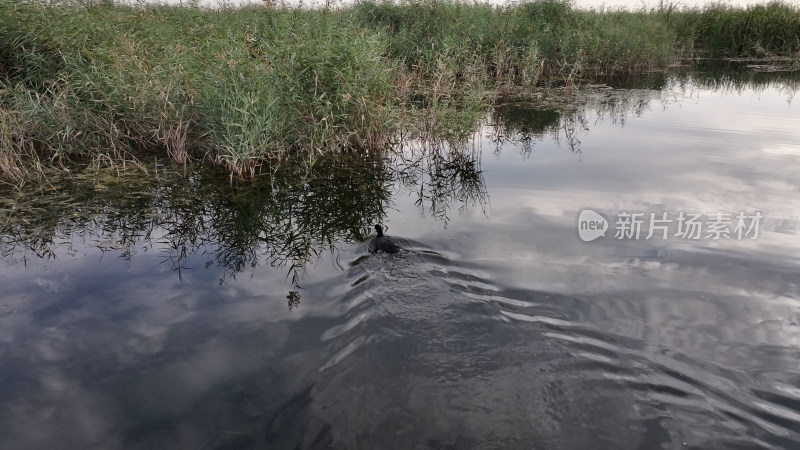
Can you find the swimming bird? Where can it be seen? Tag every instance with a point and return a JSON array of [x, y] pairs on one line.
[[382, 243]]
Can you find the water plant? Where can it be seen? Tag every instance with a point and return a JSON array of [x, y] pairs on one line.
[[255, 86]]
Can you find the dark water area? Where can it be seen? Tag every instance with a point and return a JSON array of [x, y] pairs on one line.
[[185, 311]]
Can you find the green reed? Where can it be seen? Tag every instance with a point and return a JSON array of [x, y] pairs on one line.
[[760, 30], [251, 86]]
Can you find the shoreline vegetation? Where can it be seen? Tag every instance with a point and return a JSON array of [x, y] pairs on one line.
[[249, 88]]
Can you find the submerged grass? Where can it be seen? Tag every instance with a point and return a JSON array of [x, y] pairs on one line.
[[243, 87]]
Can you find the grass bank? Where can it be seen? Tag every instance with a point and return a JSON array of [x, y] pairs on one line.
[[247, 87]]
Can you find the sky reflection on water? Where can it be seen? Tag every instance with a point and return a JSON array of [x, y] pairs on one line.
[[161, 324]]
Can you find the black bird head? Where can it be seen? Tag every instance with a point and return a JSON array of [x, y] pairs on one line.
[[379, 229]]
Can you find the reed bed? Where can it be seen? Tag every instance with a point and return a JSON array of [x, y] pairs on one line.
[[253, 86]]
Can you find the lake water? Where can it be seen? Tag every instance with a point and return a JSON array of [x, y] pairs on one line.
[[186, 312]]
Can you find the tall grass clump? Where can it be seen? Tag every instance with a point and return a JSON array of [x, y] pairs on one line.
[[237, 87], [760, 30], [288, 81], [622, 42], [450, 42], [104, 92], [521, 44], [441, 50]]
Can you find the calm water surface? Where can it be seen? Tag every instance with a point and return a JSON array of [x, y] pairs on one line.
[[186, 313]]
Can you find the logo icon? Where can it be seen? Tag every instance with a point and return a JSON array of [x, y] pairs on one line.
[[591, 225]]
